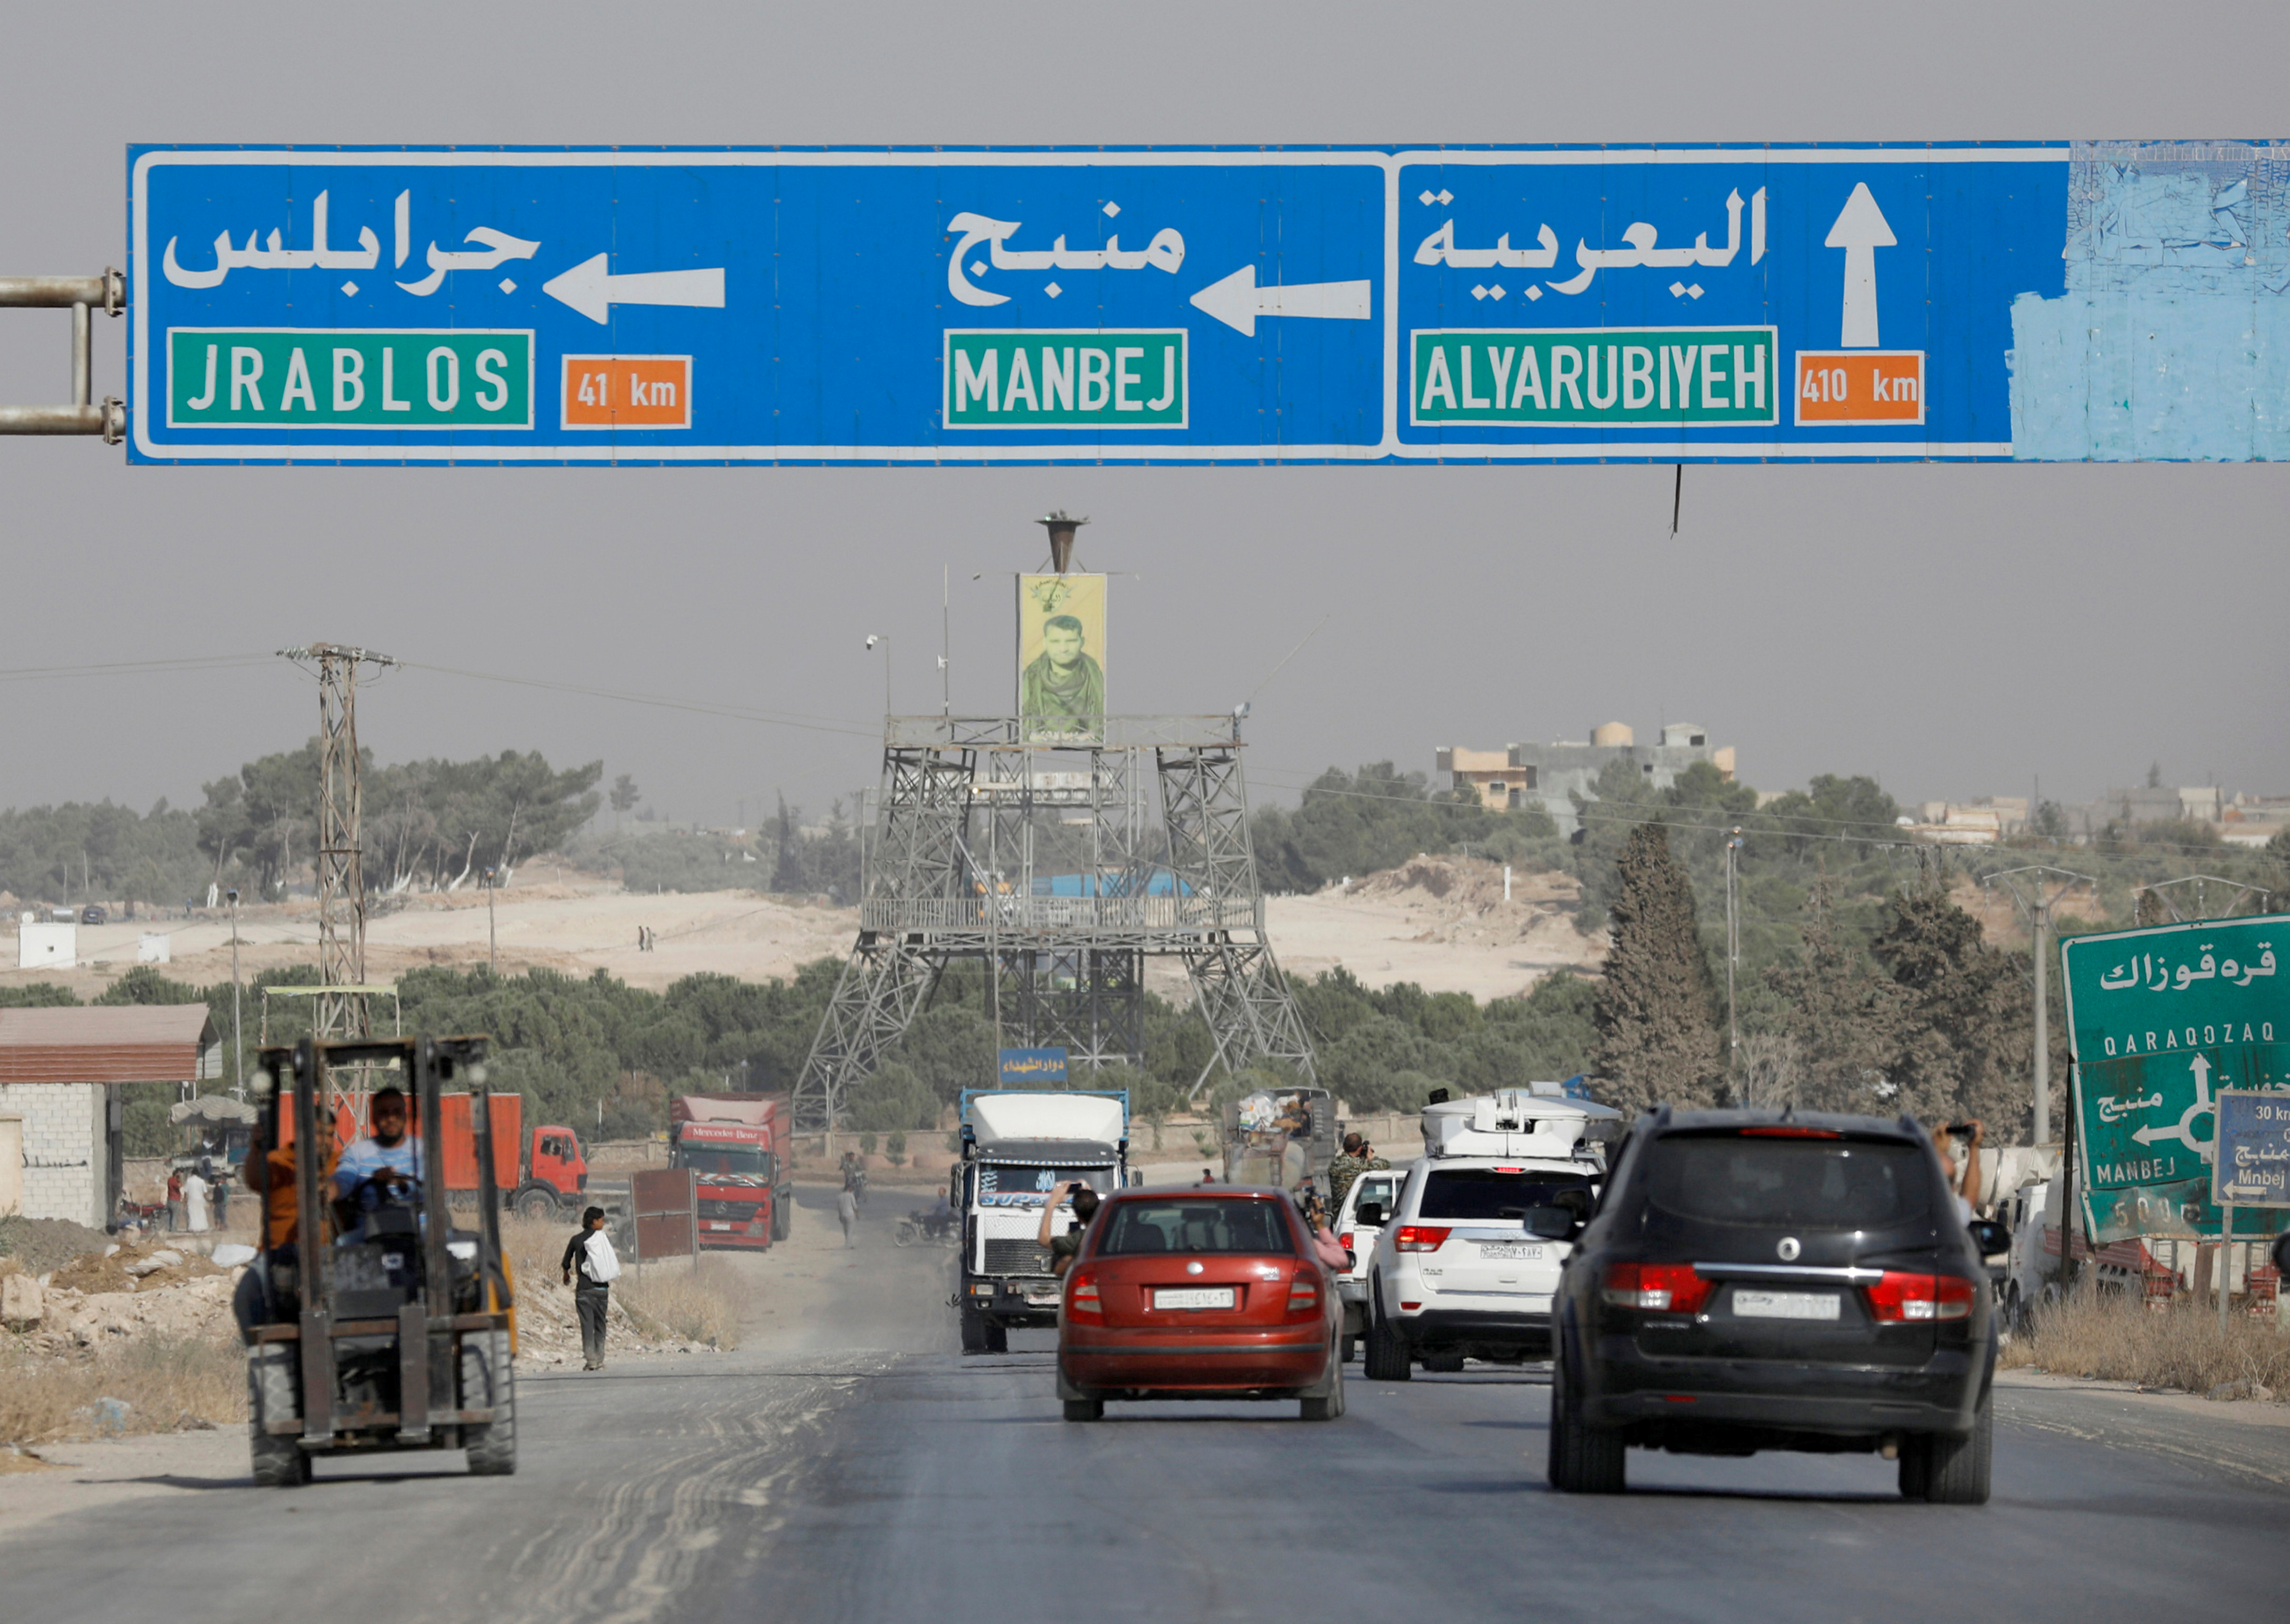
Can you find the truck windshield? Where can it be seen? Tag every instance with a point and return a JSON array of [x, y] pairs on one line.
[[755, 1164], [1035, 1182]]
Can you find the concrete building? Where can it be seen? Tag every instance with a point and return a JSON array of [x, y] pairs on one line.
[[61, 1077], [1548, 775], [1981, 822]]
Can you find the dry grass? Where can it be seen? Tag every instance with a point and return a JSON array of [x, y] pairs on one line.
[[2109, 1336], [166, 1385], [670, 1302]]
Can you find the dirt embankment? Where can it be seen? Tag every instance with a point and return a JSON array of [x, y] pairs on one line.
[[1443, 922]]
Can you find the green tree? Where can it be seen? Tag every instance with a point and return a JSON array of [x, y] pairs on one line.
[[1844, 1014], [1965, 1020], [624, 797], [1658, 1035]]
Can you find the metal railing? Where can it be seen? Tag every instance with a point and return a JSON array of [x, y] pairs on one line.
[[1059, 914], [1009, 733]]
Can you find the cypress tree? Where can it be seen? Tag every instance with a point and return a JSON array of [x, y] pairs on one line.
[[1656, 1012], [1964, 1020]]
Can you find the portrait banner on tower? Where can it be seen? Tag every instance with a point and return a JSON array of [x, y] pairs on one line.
[[1061, 659]]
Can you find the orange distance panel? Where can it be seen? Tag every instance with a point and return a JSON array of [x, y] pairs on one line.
[[1861, 386], [628, 391]]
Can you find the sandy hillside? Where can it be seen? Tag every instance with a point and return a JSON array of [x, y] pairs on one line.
[[1440, 921]]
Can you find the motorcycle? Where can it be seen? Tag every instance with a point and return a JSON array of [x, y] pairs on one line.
[[920, 1226]]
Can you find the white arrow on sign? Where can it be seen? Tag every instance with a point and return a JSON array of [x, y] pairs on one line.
[[590, 288], [1861, 231], [1237, 302], [2184, 1132]]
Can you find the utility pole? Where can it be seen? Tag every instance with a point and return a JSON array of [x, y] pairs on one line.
[[945, 640], [872, 639], [1732, 957], [2036, 903], [341, 1005], [492, 937], [237, 1064]]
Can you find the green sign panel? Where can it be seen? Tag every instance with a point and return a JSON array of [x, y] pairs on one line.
[[2162, 1021], [1078, 378], [1599, 376], [324, 378]]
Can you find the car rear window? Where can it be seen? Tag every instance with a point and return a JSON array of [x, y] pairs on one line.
[[1246, 1226], [1817, 1182], [1487, 1192]]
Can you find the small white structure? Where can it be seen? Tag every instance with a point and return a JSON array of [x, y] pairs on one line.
[[60, 1074], [153, 948], [47, 947]]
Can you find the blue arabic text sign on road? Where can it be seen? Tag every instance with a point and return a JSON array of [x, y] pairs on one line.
[[1888, 302]]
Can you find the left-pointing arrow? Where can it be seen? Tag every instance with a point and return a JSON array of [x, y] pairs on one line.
[[1237, 302], [590, 288]]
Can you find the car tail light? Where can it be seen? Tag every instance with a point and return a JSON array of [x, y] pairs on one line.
[[1345, 1240], [1083, 1298], [1904, 1299], [1655, 1288], [1421, 1237], [1303, 1295]]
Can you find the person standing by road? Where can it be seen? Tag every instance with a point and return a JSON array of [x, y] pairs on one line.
[[195, 1203], [590, 1254], [1358, 1156], [175, 1200], [846, 1214]]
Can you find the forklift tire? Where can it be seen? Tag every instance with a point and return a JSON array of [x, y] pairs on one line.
[[489, 1381], [273, 1377], [536, 1202]]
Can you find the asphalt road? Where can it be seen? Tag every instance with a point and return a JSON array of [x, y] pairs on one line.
[[850, 1464]]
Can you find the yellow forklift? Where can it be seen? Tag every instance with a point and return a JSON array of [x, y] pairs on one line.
[[378, 1327]]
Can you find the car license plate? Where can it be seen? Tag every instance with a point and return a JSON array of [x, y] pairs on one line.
[[1042, 1300], [1194, 1297], [1785, 1305], [1498, 1249]]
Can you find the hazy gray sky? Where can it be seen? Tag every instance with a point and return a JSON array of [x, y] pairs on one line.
[[1954, 629]]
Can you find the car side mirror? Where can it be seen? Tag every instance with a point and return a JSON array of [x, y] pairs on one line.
[[1989, 1236], [1551, 1223], [1371, 1213]]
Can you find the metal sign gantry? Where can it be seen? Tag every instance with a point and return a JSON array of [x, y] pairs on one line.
[[1048, 864]]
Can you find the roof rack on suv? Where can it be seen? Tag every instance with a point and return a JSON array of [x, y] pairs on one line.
[[1511, 1121]]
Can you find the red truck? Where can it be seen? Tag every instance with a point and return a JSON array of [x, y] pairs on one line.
[[544, 1176], [736, 1143]]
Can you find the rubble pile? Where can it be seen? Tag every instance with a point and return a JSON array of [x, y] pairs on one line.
[[1459, 900]]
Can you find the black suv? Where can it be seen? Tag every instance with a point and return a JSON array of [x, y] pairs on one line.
[[1753, 1280]]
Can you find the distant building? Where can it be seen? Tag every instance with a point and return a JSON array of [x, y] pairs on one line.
[[1549, 775], [1983, 822], [61, 1071]]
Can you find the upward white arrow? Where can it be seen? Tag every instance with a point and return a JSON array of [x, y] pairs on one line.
[[1859, 231], [590, 288], [1237, 300]]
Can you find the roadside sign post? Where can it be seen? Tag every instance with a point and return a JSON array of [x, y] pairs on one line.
[[2166, 1023], [2252, 1167]]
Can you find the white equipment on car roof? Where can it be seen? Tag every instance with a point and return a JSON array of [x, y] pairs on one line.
[[1513, 1122], [1000, 1119]]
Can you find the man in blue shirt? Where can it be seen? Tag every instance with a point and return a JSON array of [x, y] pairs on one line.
[[388, 1159]]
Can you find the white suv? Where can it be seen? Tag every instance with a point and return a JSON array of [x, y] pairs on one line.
[[1378, 1190], [1455, 1273]]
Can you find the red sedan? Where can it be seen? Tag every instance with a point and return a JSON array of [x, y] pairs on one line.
[[1209, 1292]]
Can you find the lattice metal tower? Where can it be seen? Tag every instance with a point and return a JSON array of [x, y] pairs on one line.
[[340, 1005], [1048, 863]]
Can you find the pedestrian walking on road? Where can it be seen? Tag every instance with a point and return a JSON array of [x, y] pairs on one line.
[[846, 1214], [590, 1253]]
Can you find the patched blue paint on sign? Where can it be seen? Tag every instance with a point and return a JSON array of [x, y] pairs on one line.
[[1787, 303], [2172, 339]]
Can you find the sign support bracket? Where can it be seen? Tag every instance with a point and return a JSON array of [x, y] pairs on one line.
[[82, 296]]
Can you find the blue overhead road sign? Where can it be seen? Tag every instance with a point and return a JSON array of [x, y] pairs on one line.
[[1881, 302]]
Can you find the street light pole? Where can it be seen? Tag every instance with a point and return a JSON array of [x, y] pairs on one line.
[[237, 1061], [2037, 905], [1732, 956], [872, 639]]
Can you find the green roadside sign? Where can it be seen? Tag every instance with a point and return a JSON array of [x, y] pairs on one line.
[[2162, 1019]]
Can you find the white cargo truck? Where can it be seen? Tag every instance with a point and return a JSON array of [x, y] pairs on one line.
[[1017, 1148]]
